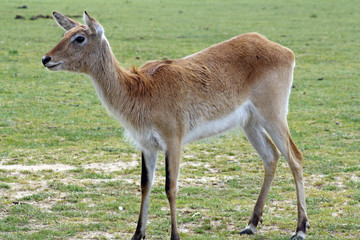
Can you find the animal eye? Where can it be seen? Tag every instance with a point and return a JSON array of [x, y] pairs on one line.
[[79, 39]]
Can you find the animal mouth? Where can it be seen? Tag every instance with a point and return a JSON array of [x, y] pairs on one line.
[[52, 65]]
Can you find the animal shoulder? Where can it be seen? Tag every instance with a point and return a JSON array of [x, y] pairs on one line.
[[153, 68]]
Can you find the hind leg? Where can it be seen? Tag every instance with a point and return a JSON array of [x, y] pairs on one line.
[[270, 101], [280, 134], [269, 155]]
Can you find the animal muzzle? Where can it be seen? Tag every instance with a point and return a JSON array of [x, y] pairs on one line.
[[45, 60]]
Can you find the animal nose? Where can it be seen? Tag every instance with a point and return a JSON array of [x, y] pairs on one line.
[[45, 60]]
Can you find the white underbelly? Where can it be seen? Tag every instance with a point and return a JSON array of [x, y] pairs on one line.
[[151, 138], [237, 118]]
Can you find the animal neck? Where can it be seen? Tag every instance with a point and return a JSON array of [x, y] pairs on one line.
[[105, 70], [115, 85]]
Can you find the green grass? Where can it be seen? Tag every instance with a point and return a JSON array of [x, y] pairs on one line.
[[57, 118]]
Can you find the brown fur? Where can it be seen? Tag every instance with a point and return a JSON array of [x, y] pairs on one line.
[[162, 101], [220, 90]]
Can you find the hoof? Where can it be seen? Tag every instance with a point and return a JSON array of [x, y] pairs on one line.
[[249, 230], [175, 236], [300, 232], [246, 231], [137, 237], [298, 235]]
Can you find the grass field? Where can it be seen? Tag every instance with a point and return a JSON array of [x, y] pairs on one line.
[[66, 172]]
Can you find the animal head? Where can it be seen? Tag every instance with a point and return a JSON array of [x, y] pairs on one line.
[[80, 46]]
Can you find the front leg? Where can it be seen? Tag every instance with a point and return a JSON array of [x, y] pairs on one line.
[[148, 162], [172, 162]]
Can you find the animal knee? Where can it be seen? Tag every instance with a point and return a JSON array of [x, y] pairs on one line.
[[270, 162], [170, 189], [270, 154], [296, 152]]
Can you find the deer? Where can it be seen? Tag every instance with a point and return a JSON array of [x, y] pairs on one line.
[[242, 82]]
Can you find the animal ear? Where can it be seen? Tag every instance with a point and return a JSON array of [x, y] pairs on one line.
[[65, 22], [93, 25]]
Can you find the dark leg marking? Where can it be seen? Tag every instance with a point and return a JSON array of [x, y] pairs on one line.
[[144, 172], [255, 220], [167, 171], [303, 226], [175, 237]]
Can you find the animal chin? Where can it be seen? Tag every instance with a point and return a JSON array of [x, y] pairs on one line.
[[53, 66]]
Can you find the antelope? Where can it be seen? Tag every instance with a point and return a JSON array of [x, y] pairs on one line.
[[242, 82]]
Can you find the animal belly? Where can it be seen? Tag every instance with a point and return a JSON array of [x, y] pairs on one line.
[[237, 118]]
